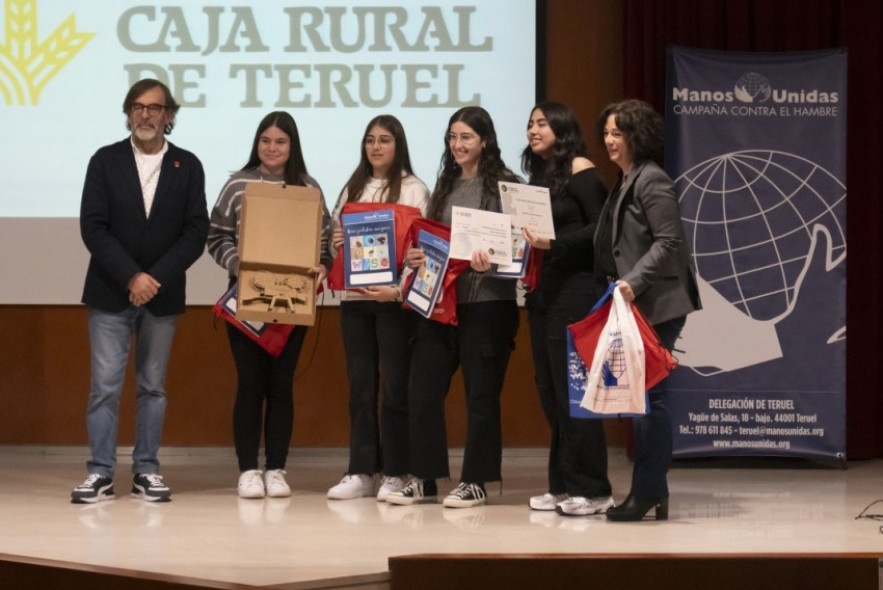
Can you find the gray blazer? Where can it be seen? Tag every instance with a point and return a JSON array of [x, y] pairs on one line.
[[649, 245]]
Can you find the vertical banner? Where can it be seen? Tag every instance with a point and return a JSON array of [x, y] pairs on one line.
[[756, 143]]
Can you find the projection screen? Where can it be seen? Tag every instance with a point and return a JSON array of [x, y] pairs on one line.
[[65, 67]]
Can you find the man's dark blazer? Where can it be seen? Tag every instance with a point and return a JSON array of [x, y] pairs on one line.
[[123, 241], [649, 246]]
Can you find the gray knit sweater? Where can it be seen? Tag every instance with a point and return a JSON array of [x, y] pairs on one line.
[[223, 233], [475, 287]]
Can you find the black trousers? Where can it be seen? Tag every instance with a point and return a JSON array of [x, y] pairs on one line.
[[377, 340], [264, 398], [652, 432], [481, 346], [578, 448]]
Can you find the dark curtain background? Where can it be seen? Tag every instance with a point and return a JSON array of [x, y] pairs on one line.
[[650, 26]]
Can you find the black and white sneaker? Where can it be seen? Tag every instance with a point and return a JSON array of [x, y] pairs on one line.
[[96, 488], [418, 491], [150, 487], [466, 495]]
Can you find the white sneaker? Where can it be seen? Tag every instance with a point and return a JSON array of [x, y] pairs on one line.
[[277, 487], [351, 487], [546, 501], [251, 484], [389, 485], [580, 506]]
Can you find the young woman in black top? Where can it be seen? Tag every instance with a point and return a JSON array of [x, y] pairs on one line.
[[556, 158]]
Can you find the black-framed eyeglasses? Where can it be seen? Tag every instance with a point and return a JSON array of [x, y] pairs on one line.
[[152, 109]]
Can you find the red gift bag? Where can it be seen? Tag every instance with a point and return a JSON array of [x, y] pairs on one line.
[[270, 337], [445, 310], [658, 361], [534, 269], [404, 217]]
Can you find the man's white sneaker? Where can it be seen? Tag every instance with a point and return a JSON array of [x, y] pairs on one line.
[[277, 487], [389, 485], [251, 484], [580, 506], [351, 487], [546, 501]]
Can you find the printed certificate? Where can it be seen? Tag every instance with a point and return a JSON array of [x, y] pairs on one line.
[[529, 206], [474, 229]]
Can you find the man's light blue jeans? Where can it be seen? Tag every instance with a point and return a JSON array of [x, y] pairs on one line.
[[111, 336]]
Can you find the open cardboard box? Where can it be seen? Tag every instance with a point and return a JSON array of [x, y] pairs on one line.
[[279, 239]]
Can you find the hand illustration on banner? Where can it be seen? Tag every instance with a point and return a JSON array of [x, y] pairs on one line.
[[752, 264]]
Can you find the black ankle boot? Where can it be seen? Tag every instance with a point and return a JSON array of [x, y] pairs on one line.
[[634, 508]]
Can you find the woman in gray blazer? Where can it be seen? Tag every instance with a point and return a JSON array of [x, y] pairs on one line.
[[640, 244]]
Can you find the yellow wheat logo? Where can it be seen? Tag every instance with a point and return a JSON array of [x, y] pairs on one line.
[[27, 64]]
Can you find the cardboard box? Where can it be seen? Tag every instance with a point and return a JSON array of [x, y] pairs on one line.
[[279, 239]]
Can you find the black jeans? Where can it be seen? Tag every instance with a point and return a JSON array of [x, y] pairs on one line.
[[578, 449], [264, 398], [377, 340], [481, 346]]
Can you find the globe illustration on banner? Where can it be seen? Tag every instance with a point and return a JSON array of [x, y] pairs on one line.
[[751, 217], [757, 220], [753, 87]]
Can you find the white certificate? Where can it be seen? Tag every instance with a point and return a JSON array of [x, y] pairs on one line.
[[474, 229], [529, 206]]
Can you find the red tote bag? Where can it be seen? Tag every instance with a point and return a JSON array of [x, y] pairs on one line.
[[534, 269], [445, 310], [270, 337], [658, 361], [404, 217]]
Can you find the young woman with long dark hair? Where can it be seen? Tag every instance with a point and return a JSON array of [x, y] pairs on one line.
[[264, 392], [480, 344], [377, 332]]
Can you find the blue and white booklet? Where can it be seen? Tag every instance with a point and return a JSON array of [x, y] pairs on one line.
[[369, 249], [228, 302], [428, 280], [520, 252]]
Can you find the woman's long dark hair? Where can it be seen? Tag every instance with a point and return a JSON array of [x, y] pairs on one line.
[[554, 171], [490, 163], [295, 168], [401, 163]]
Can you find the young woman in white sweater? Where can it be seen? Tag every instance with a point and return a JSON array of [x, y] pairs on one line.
[[377, 333]]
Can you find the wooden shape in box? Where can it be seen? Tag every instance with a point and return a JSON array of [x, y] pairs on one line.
[[279, 240]]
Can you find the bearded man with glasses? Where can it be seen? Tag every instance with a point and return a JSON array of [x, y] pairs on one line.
[[144, 220]]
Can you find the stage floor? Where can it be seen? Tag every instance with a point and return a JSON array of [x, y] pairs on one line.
[[718, 506]]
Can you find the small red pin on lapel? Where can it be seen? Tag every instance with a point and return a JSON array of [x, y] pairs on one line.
[[176, 164]]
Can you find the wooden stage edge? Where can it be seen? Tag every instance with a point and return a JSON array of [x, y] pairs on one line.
[[27, 573], [847, 571]]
